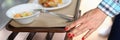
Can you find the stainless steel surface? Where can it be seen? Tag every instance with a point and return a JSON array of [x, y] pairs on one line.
[[4, 6], [69, 19]]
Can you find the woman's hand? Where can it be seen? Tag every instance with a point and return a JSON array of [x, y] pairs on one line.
[[91, 20]]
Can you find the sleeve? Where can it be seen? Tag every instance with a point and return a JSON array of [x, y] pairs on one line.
[[110, 7]]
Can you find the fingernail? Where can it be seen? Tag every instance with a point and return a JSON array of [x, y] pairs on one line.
[[83, 38], [70, 35], [66, 28]]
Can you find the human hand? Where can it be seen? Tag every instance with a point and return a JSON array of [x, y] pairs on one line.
[[91, 20]]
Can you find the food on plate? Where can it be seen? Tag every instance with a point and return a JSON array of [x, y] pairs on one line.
[[50, 3], [42, 1], [22, 14]]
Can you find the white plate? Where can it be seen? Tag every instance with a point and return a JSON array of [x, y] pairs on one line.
[[65, 3]]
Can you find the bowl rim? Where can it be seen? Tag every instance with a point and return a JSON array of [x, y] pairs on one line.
[[31, 10]]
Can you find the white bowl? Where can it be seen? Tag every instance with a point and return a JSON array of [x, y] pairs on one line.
[[22, 8]]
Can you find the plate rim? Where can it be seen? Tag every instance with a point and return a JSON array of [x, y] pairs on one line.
[[54, 8]]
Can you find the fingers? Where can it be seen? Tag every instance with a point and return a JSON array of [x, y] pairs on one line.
[[77, 31], [74, 24], [88, 33], [80, 32]]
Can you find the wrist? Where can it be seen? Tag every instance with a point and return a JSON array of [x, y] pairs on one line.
[[101, 12]]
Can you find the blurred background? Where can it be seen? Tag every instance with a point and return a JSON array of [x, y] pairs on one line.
[[85, 6]]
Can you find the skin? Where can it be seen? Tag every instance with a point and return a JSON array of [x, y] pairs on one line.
[[91, 20]]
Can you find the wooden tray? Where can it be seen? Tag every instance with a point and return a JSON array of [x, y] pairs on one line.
[[47, 22]]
